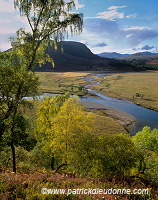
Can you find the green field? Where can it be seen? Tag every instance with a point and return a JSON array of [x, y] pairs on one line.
[[61, 82], [139, 87]]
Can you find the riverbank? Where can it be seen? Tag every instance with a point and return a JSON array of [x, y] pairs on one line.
[[126, 120], [143, 117], [139, 87]]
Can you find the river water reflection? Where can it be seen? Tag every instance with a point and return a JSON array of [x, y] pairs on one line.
[[144, 116]]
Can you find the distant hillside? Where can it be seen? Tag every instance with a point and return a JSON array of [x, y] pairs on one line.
[[153, 61], [77, 57], [148, 58], [111, 55], [141, 55]]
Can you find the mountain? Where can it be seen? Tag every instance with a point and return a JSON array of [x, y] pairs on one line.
[[145, 53], [141, 55], [138, 55], [111, 55], [75, 56]]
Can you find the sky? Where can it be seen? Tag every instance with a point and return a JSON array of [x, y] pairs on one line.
[[123, 26]]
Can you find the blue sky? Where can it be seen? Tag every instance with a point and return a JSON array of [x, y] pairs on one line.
[[124, 26]]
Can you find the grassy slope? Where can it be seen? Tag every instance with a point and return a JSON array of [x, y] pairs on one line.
[[126, 85]]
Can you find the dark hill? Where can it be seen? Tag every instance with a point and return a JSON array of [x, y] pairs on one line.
[[76, 57]]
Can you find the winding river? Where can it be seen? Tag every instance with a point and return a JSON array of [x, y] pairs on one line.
[[144, 116]]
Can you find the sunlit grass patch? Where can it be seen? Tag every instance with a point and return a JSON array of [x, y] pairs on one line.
[[61, 82], [140, 87]]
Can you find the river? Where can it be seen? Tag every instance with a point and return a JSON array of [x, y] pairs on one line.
[[144, 116]]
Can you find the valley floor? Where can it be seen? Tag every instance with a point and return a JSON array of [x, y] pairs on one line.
[[138, 87]]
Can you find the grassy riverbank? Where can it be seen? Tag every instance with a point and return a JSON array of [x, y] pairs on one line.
[[139, 87], [61, 82]]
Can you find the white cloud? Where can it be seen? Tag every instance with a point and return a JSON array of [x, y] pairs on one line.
[[77, 5], [131, 15], [110, 15], [116, 7], [7, 6], [137, 28], [113, 14], [129, 35]]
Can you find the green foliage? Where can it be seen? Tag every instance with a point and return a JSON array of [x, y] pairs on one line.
[[62, 126], [39, 158], [147, 139], [70, 126], [47, 20], [15, 83], [66, 132], [47, 110], [116, 155], [20, 133], [139, 65]]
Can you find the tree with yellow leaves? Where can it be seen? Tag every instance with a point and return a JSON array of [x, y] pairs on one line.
[[63, 128]]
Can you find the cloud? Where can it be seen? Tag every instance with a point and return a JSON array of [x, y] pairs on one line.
[[112, 13], [147, 47], [138, 28], [102, 44], [111, 32], [116, 7], [100, 26], [6, 6], [77, 5], [136, 49], [136, 35], [131, 15]]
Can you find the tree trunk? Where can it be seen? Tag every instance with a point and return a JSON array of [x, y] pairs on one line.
[[13, 155], [63, 164], [52, 163]]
